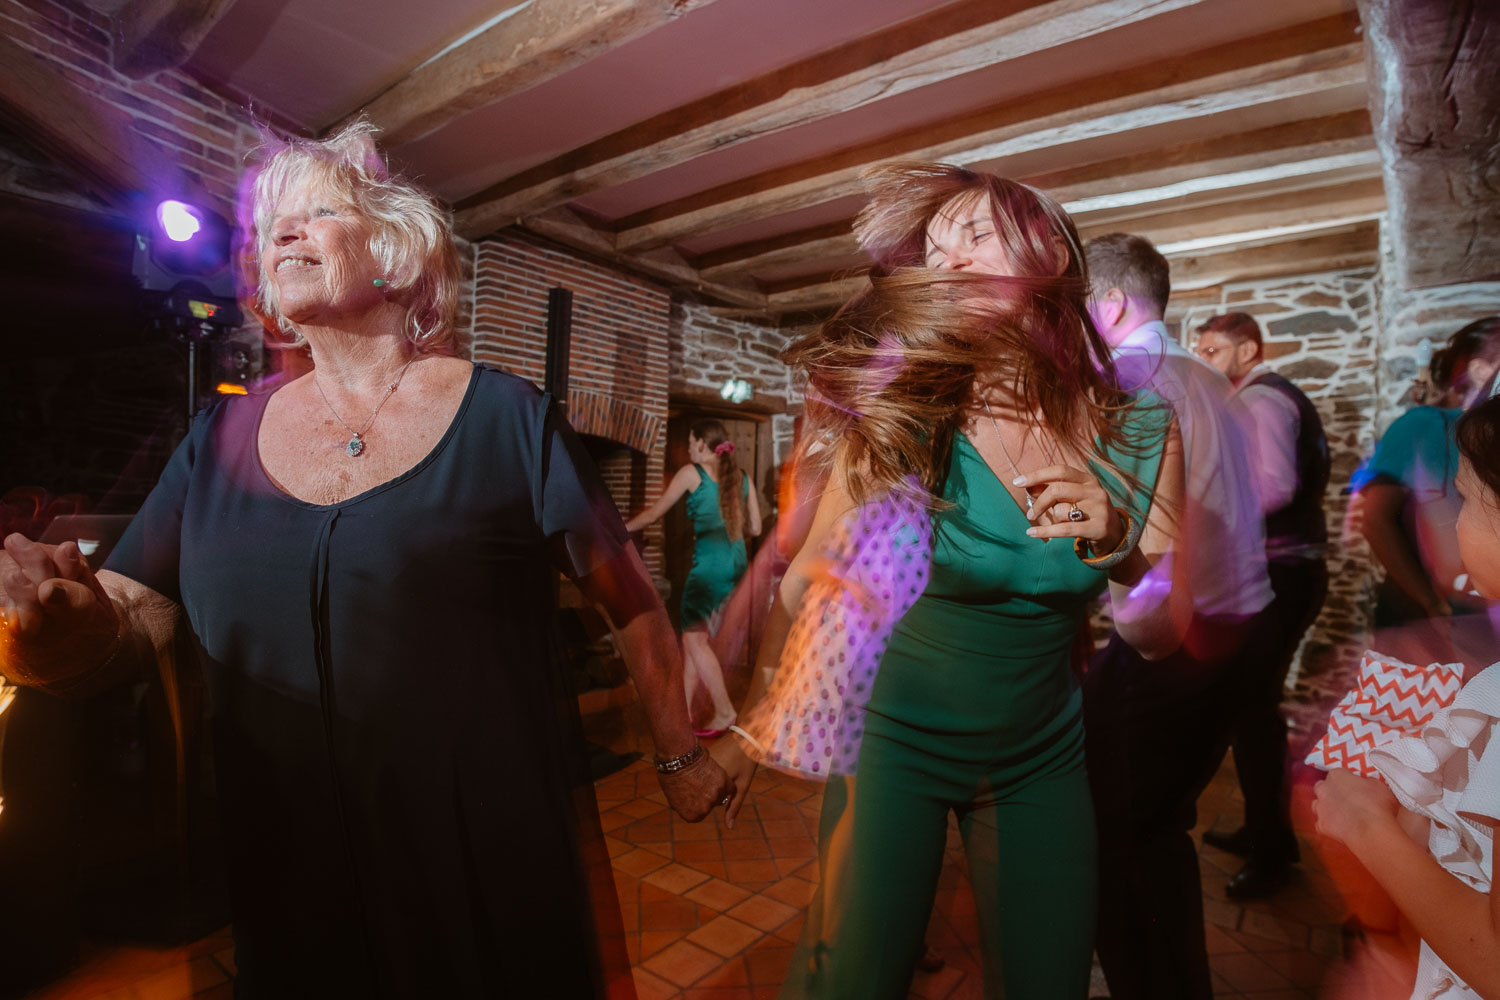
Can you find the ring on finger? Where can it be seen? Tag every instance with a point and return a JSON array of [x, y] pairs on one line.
[[725, 800], [1075, 513]]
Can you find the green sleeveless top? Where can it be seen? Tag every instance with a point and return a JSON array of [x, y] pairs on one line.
[[979, 668], [718, 563]]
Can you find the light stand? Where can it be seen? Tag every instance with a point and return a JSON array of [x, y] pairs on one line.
[[181, 260], [191, 314]]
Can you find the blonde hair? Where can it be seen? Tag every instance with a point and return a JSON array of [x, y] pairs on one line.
[[892, 376], [411, 241]]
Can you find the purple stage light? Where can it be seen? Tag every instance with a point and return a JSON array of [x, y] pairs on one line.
[[179, 220]]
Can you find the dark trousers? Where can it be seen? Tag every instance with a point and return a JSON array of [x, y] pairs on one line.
[[1260, 747], [1155, 732]]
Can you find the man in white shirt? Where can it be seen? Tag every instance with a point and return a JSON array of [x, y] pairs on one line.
[[1156, 731], [1289, 454]]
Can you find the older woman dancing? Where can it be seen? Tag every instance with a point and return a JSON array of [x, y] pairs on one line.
[[972, 380], [364, 558]]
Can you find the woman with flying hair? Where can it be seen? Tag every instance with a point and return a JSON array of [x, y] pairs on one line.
[[970, 381], [366, 560]]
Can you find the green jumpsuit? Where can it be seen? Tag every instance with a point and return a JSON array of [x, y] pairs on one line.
[[974, 710], [718, 563]]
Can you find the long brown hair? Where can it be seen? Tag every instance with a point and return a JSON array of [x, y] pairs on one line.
[[1479, 340], [1478, 433], [727, 472], [893, 374]]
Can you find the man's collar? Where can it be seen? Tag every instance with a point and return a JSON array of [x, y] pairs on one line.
[[1150, 337]]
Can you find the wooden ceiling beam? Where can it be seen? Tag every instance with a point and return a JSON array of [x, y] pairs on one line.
[[81, 132], [952, 41], [153, 35], [1241, 193], [561, 225], [816, 297], [1295, 148], [1142, 99], [838, 244], [1307, 209], [1287, 142], [534, 42], [1208, 194], [1355, 246]]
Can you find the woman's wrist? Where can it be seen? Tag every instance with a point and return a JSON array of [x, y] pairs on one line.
[[1119, 528], [677, 763], [66, 685], [750, 742], [1373, 835], [1121, 550]]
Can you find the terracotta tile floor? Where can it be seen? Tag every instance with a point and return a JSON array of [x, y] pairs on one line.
[[711, 913]]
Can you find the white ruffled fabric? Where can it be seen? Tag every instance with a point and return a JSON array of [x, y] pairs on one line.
[[1446, 775]]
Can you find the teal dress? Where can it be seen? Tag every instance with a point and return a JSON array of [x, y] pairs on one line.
[[975, 711], [718, 563]]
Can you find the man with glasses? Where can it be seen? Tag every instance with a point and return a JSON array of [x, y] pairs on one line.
[[1289, 458]]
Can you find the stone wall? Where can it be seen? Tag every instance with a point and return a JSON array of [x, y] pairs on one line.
[[708, 347], [1321, 332], [1413, 321]]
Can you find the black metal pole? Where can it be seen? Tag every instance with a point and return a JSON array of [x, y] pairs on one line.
[[559, 343], [192, 377]]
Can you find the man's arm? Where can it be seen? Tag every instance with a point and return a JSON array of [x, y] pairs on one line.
[[1271, 427]]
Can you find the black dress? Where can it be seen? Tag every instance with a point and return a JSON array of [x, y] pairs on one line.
[[395, 753]]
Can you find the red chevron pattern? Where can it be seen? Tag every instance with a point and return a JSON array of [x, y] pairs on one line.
[[1391, 699]]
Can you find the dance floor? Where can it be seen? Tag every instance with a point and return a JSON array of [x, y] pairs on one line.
[[711, 914]]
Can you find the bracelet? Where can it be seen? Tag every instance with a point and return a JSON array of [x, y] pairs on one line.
[[671, 765], [69, 684], [736, 730], [1121, 552]]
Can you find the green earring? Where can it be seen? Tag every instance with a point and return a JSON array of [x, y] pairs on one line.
[[378, 282]]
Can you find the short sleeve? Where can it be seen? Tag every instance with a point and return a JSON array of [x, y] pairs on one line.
[[150, 550], [1139, 456], [1271, 425], [574, 510], [1412, 452]]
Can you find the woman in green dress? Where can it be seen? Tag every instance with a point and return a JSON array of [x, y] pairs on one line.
[[971, 380], [721, 519]]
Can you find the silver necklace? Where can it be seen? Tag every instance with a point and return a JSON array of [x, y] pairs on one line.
[[356, 445], [1006, 452], [1041, 565]]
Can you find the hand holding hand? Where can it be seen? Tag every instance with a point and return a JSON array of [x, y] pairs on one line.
[[58, 622], [696, 789], [740, 768], [1072, 504], [1347, 806]]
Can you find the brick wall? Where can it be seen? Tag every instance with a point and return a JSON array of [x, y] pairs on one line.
[[617, 372], [200, 136], [97, 405]]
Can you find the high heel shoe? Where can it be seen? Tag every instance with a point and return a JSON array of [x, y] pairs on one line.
[[708, 734]]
